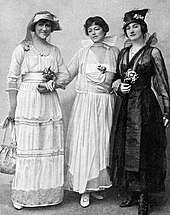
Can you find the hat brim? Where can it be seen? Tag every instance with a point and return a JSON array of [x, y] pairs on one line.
[[55, 24], [138, 21]]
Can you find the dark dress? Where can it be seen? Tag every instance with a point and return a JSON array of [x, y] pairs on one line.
[[138, 138]]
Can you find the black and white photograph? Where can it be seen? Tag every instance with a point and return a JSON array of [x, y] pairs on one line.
[[85, 107]]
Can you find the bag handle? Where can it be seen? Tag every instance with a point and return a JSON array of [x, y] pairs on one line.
[[13, 133], [4, 137]]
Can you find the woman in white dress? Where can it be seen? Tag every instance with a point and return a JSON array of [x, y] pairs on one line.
[[34, 104], [87, 144]]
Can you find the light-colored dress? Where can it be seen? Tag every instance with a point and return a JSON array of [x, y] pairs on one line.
[[39, 176], [87, 142]]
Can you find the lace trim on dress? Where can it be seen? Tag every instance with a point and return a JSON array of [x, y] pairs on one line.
[[38, 197], [40, 155], [37, 122]]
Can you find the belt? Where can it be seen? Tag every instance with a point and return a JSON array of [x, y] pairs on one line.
[[33, 77]]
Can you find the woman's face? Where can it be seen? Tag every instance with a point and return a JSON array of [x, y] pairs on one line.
[[43, 29], [134, 32], [96, 33]]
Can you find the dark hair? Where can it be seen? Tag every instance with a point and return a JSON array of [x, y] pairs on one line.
[[97, 20], [42, 20], [144, 28]]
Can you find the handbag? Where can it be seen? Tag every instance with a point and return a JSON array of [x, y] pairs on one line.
[[8, 148]]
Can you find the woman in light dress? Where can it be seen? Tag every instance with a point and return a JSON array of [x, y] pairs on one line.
[[34, 104], [87, 143]]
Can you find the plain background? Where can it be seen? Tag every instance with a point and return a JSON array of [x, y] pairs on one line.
[[14, 17]]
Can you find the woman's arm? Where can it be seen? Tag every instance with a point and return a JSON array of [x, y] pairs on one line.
[[74, 65], [66, 74], [13, 103], [61, 78], [13, 78], [63, 75], [161, 83], [118, 87]]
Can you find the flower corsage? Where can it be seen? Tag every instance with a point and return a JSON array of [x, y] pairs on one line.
[[102, 68], [130, 77]]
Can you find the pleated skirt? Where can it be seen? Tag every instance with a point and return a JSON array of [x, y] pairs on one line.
[[87, 143], [39, 176]]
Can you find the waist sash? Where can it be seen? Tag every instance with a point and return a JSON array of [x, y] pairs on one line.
[[33, 77]]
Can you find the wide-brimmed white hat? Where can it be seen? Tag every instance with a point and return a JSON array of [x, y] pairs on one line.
[[47, 16]]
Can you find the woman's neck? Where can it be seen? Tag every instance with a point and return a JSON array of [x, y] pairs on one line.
[[41, 46], [97, 44], [136, 44], [40, 42]]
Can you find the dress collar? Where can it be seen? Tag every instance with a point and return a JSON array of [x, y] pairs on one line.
[[149, 40], [108, 42]]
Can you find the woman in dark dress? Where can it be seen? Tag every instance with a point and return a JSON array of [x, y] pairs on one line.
[[138, 138]]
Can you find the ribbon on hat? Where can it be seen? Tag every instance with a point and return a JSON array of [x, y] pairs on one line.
[[108, 41]]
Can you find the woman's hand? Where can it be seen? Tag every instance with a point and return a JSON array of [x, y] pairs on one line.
[[11, 114], [124, 88], [115, 86], [42, 88], [46, 87], [50, 85], [165, 121]]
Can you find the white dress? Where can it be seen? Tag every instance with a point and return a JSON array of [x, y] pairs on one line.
[[87, 143], [39, 176]]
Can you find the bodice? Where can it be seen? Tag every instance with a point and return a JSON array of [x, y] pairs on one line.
[[144, 69]]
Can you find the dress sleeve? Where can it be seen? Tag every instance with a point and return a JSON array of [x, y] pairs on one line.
[[115, 53], [74, 65], [62, 74], [14, 73], [160, 80], [117, 79]]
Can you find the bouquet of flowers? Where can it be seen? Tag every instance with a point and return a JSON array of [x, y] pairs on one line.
[[48, 74], [50, 78], [130, 76], [50, 84]]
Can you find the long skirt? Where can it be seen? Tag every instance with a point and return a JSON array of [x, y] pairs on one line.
[[39, 176], [87, 144], [152, 154]]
